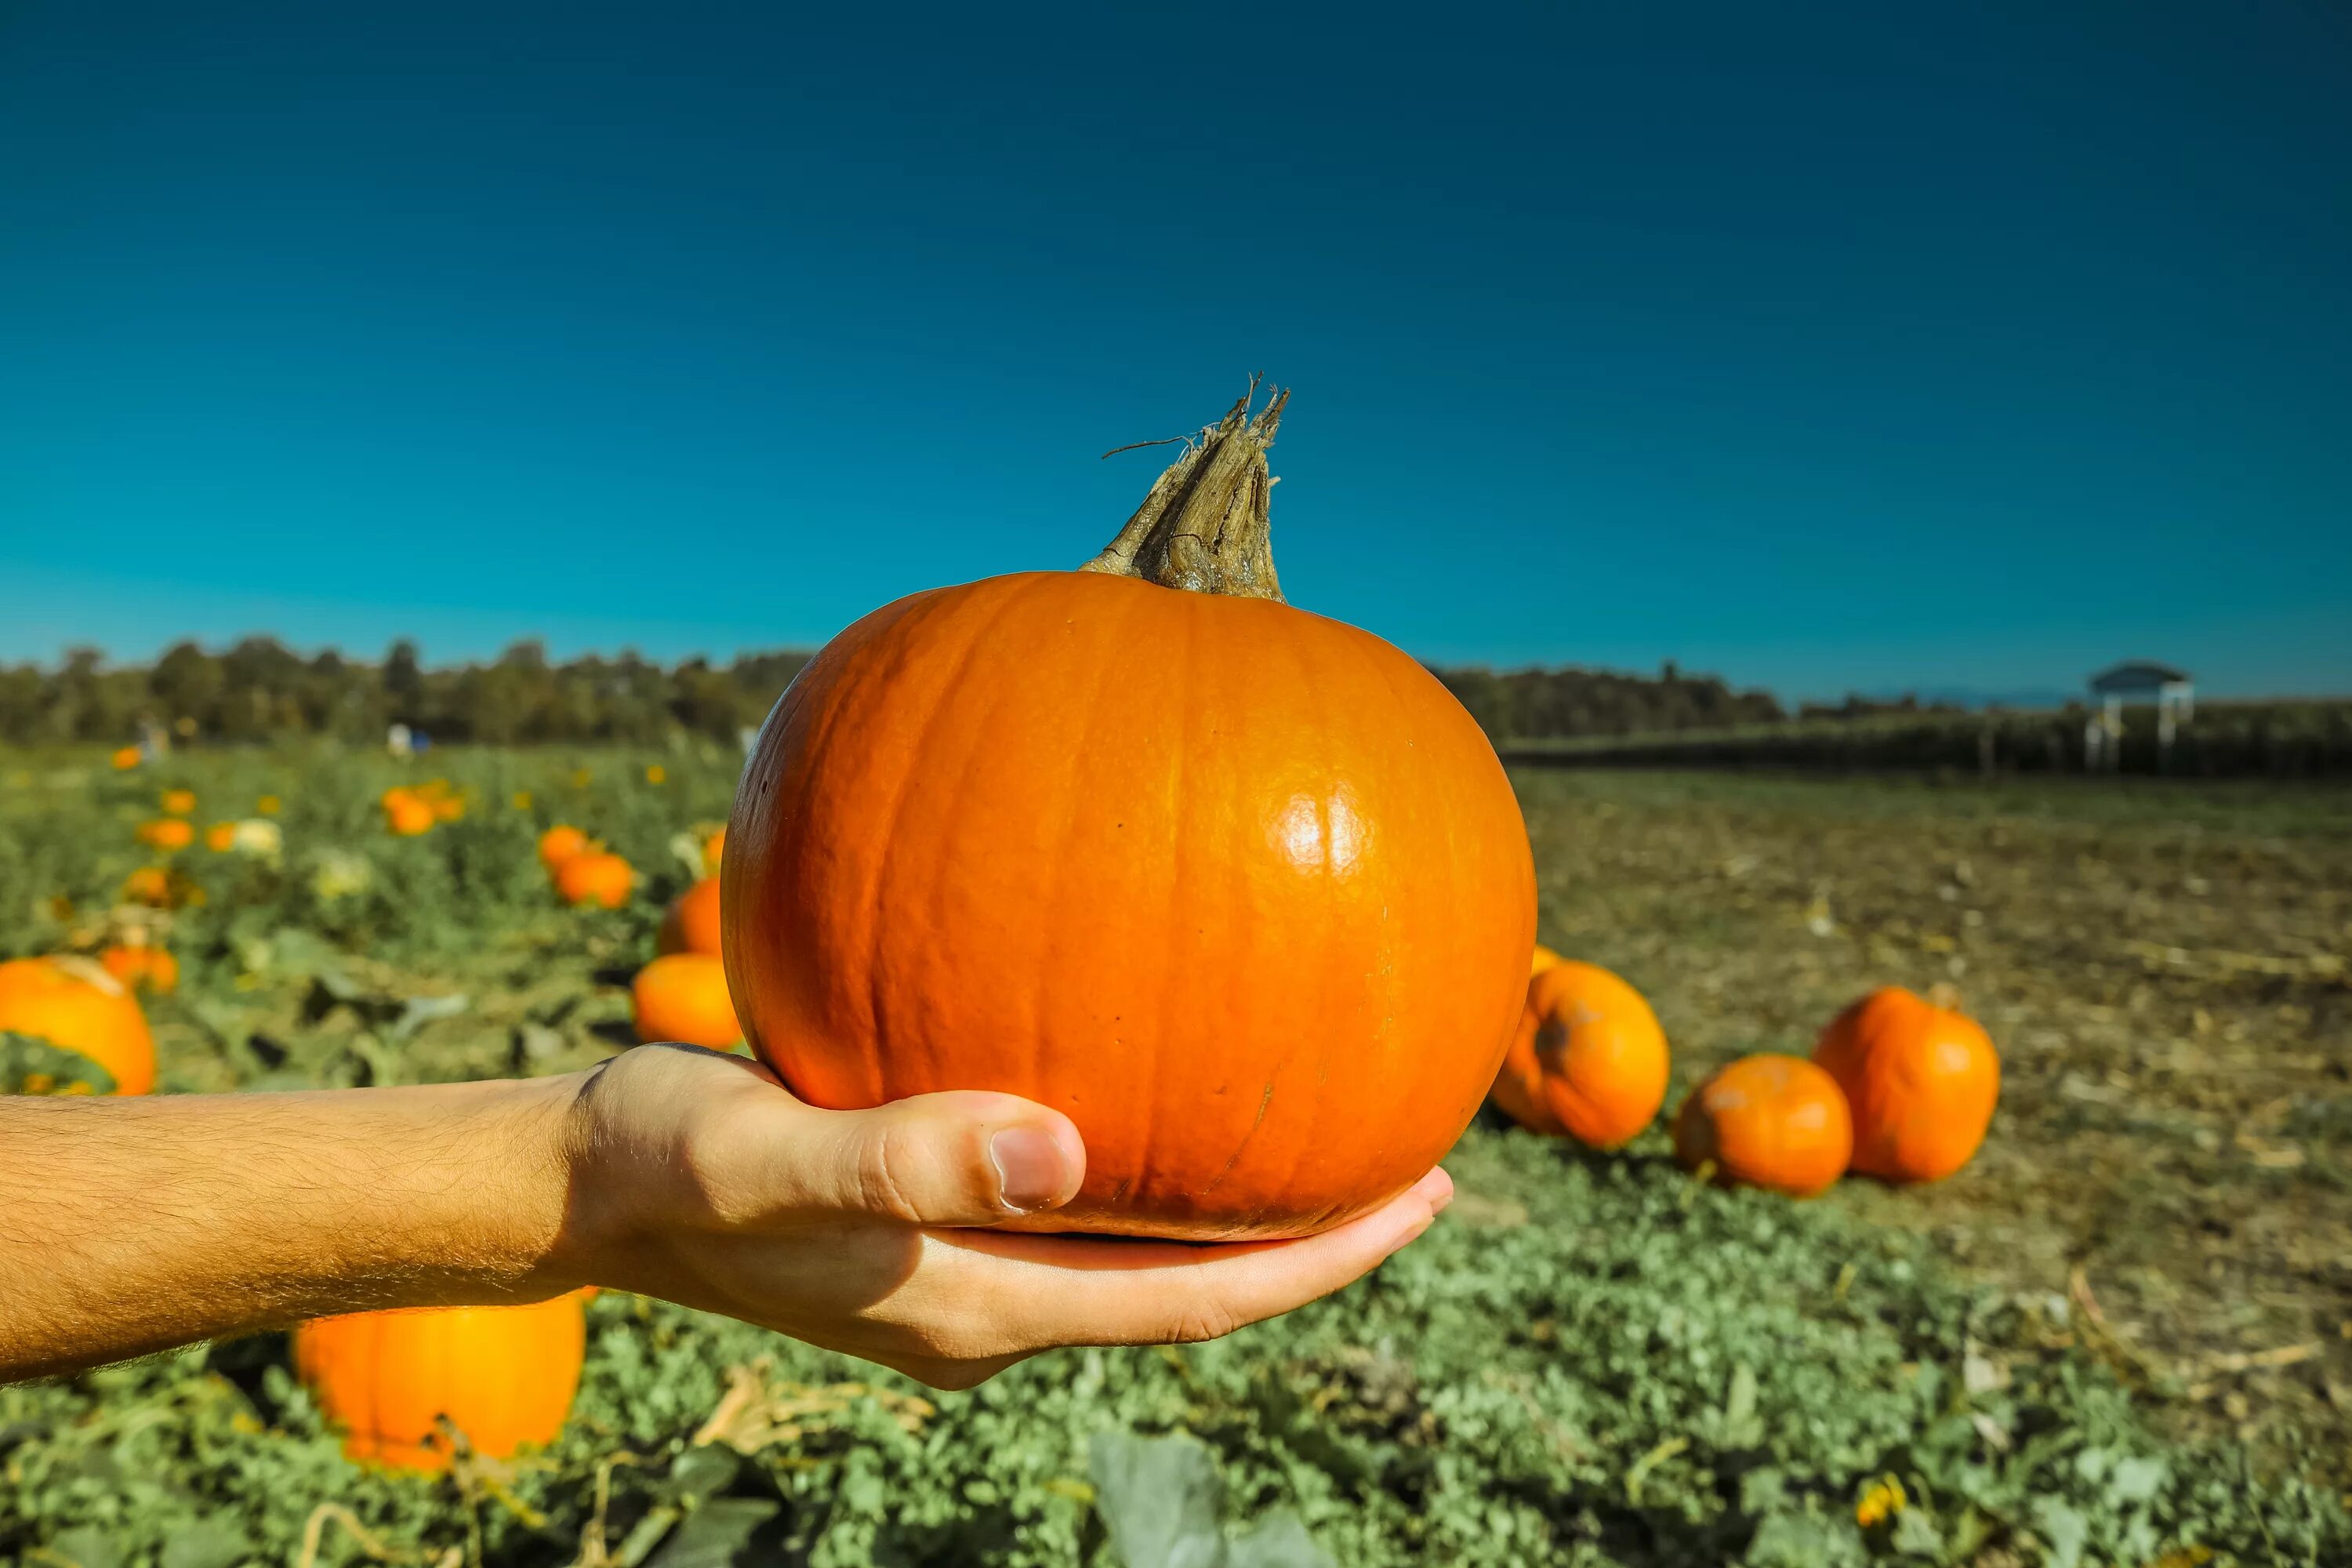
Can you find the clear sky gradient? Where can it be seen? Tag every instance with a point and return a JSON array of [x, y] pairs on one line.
[[1842, 346]]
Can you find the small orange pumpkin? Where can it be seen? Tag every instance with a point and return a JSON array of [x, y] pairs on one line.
[[221, 838], [1590, 1061], [141, 967], [179, 802], [148, 885], [559, 843], [126, 758], [692, 923], [407, 816], [683, 997], [1768, 1120], [504, 1376], [595, 877], [1922, 1078], [168, 833], [1544, 959], [76, 1005]]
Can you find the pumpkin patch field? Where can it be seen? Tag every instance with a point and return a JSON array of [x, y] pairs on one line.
[[2117, 1329]]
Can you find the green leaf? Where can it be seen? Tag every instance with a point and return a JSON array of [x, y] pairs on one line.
[[1280, 1541], [723, 1533], [87, 1546], [1159, 1499], [210, 1542], [2063, 1532]]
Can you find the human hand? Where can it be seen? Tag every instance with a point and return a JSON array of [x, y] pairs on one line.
[[699, 1178]]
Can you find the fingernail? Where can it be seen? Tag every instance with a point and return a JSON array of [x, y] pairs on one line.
[[1029, 1167], [1437, 1204]]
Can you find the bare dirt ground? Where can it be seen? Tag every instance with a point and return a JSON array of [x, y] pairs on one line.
[[2164, 968]]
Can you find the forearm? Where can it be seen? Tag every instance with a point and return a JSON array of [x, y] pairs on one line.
[[127, 1225]]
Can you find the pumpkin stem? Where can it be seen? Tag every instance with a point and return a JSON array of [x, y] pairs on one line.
[[1205, 527]]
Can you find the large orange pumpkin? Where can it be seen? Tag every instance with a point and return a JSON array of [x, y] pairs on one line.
[[1922, 1079], [559, 843], [1241, 889], [683, 997], [76, 1005], [1589, 1062], [503, 1375], [692, 923], [595, 877], [1767, 1121]]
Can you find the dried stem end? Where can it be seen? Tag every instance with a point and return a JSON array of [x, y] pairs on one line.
[[1205, 527]]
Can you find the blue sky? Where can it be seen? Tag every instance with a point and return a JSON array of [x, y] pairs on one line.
[[1847, 348]]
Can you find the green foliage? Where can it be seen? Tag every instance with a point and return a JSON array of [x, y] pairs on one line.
[[1589, 1361], [1651, 1372]]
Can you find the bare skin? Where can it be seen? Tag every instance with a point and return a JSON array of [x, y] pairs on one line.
[[129, 1226]]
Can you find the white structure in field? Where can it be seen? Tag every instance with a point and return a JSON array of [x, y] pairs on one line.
[[2136, 681]]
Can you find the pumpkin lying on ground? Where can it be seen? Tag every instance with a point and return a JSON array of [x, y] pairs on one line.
[[179, 802], [1544, 959], [141, 967], [692, 923], [76, 1005], [167, 832], [1767, 1121], [407, 813], [683, 997], [595, 877], [1922, 1079], [559, 843], [504, 1376], [1588, 1062], [1241, 889]]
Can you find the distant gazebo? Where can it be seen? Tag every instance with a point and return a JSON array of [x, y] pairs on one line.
[[2137, 682]]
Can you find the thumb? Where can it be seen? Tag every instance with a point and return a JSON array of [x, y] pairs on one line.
[[957, 1158]]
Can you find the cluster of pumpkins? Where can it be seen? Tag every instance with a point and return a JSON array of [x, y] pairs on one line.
[[1899, 1087], [164, 887], [411, 811], [583, 871]]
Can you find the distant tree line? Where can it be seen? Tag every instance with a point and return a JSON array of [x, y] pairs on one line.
[[1544, 704], [259, 689]]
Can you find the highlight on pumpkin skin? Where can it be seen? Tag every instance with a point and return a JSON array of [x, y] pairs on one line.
[[1589, 1062], [503, 1376], [76, 1005], [1768, 1120], [682, 996], [1922, 1078]]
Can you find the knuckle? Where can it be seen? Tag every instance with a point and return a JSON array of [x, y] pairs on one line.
[[882, 1175], [1201, 1319]]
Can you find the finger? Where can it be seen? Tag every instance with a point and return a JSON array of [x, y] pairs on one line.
[[964, 1158], [1073, 1290]]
